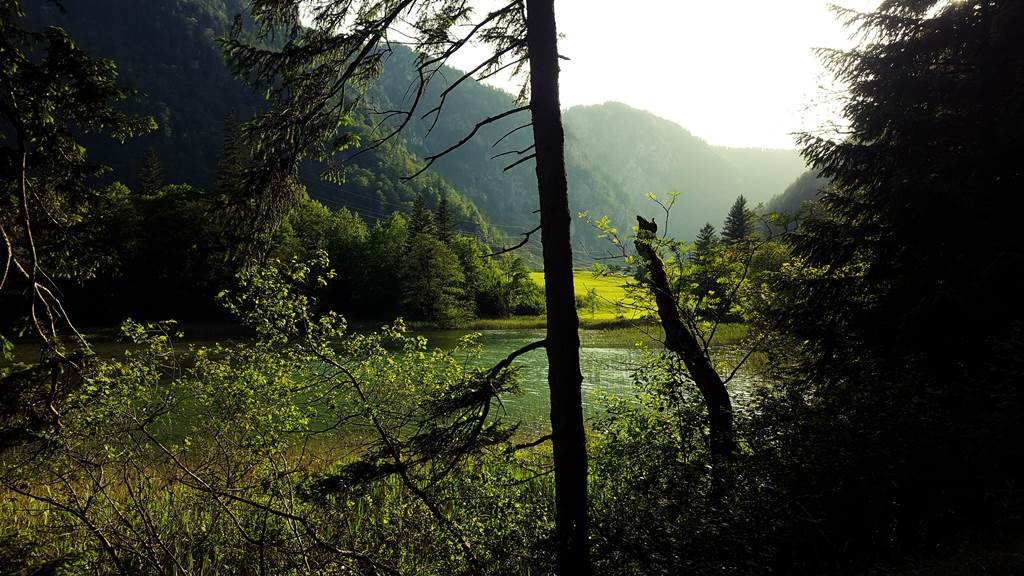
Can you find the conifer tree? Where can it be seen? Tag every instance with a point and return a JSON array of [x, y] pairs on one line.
[[230, 169], [739, 224], [705, 244], [421, 221], [433, 283], [151, 177], [908, 318], [443, 223]]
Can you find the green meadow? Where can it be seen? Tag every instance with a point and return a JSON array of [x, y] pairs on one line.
[[602, 298]]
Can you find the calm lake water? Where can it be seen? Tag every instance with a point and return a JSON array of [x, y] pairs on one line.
[[607, 369], [607, 363]]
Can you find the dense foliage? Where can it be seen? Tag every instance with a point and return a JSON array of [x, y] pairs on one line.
[[172, 257], [404, 267], [52, 211], [309, 449], [899, 425]]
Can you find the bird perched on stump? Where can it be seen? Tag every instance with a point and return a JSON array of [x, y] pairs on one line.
[[647, 226]]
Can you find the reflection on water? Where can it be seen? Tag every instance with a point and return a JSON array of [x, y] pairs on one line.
[[607, 370]]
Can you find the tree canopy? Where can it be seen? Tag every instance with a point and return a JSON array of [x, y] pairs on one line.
[[904, 328]]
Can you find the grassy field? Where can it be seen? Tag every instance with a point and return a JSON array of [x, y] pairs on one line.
[[605, 299]]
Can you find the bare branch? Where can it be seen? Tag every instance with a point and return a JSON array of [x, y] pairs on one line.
[[436, 110], [531, 444], [511, 132], [519, 152], [518, 162], [526, 238], [754, 348], [433, 158], [511, 357]]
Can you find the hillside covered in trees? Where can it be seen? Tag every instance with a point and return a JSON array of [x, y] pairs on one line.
[[805, 189], [187, 88]]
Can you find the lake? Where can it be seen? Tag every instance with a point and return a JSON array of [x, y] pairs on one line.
[[608, 359], [607, 365]]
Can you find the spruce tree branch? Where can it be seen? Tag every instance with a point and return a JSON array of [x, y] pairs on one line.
[[407, 117], [443, 57], [493, 59], [502, 68]]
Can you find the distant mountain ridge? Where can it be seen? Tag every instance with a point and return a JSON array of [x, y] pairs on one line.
[[804, 190], [615, 154], [644, 153]]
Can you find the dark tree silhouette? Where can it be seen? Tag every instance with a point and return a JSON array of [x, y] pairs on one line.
[[151, 177], [52, 93], [908, 317], [681, 340], [738, 223], [443, 220], [231, 166]]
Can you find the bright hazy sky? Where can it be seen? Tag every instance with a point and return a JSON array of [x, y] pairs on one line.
[[733, 72]]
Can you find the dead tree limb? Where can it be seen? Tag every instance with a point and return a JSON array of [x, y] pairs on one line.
[[682, 342]]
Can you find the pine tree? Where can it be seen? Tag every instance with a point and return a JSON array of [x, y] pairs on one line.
[[739, 224], [433, 283], [151, 177], [231, 168], [421, 221], [706, 242], [705, 273], [443, 223], [908, 317]]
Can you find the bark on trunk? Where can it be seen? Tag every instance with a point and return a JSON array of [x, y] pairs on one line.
[[679, 340], [563, 343]]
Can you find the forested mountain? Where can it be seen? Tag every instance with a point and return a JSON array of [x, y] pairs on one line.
[[168, 51], [806, 188], [508, 198], [615, 155], [646, 154]]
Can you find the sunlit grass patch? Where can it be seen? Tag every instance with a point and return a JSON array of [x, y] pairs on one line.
[[601, 298]]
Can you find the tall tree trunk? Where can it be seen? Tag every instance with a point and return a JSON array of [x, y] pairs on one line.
[[563, 342], [680, 341]]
